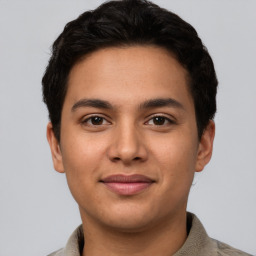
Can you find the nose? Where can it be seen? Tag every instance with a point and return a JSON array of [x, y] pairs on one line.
[[127, 145]]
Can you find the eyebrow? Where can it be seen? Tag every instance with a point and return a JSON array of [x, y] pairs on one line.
[[161, 102], [151, 103], [95, 103]]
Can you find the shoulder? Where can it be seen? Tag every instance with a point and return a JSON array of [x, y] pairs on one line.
[[73, 246], [223, 249], [57, 253], [198, 242]]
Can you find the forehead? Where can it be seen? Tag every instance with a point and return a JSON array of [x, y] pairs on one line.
[[127, 75]]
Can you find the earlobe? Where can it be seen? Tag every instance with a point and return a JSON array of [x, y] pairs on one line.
[[55, 149], [205, 147]]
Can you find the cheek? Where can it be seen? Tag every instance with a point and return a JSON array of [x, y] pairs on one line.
[[176, 158], [82, 151], [82, 158]]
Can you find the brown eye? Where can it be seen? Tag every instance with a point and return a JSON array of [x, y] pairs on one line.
[[159, 120], [96, 120]]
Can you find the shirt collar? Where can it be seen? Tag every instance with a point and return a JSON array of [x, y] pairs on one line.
[[197, 239]]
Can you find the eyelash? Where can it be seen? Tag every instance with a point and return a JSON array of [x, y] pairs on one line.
[[85, 121], [170, 121]]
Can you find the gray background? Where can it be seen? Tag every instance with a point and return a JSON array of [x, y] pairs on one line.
[[37, 212]]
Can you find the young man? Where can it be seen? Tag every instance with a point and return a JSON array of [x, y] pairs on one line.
[[131, 90]]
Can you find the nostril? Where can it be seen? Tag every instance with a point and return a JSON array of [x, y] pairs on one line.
[[116, 159]]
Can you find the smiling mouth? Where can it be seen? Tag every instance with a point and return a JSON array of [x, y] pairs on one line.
[[127, 184]]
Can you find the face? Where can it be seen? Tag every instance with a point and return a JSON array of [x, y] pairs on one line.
[[129, 144]]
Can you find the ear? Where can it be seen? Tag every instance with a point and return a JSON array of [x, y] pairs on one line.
[[205, 148], [55, 149]]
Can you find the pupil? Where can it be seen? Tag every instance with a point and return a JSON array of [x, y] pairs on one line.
[[97, 120], [159, 120]]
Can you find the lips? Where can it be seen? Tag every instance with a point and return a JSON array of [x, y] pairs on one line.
[[127, 184]]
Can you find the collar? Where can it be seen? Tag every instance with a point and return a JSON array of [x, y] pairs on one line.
[[198, 243]]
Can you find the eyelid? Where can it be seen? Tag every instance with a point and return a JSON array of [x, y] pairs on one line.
[[88, 117], [169, 118]]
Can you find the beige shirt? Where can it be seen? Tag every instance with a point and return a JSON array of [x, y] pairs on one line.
[[198, 243]]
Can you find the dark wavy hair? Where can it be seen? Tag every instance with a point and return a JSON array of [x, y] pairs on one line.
[[128, 23]]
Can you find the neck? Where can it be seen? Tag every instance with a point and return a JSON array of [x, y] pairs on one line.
[[163, 238]]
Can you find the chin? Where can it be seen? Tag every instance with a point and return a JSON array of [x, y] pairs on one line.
[[129, 220], [129, 225]]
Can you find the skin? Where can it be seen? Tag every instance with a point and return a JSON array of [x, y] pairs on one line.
[[129, 140]]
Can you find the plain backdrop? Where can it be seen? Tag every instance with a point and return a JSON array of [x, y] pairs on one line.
[[37, 213]]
